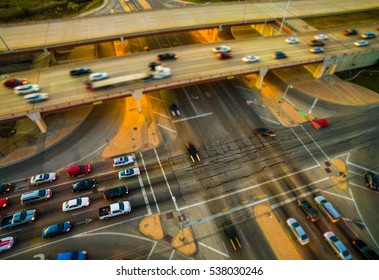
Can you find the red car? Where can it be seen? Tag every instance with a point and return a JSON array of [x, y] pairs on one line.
[[77, 170], [223, 55], [4, 201], [320, 123], [14, 82]]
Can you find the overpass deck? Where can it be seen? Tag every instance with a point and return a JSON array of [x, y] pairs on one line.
[[52, 34]]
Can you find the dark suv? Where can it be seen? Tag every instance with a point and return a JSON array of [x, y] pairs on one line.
[[372, 181], [84, 185], [311, 213], [116, 192], [366, 252]]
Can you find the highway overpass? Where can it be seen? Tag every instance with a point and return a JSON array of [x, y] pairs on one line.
[[196, 64], [46, 35]]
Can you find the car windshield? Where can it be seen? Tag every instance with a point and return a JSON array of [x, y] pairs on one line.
[[122, 206], [345, 253], [60, 227], [334, 239], [304, 237]]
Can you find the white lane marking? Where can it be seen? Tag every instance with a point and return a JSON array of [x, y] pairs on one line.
[[305, 146], [165, 178], [362, 167], [151, 251], [81, 212], [148, 180], [309, 229], [360, 216], [189, 99], [172, 254], [163, 115], [193, 117], [314, 141], [215, 250], [269, 120], [169, 129], [226, 250], [338, 195], [80, 160], [244, 238], [355, 173], [155, 98], [364, 188], [148, 208], [248, 188]]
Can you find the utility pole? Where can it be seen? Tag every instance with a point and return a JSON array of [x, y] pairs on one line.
[[283, 98]]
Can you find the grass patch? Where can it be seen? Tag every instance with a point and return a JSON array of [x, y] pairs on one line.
[[30, 10], [366, 17]]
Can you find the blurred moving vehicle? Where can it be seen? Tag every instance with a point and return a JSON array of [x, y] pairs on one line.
[[223, 55], [6, 243], [116, 192], [153, 64], [232, 235], [321, 37], [56, 229], [5, 187], [4, 202], [372, 180], [327, 209], [309, 211], [349, 32], [98, 76], [78, 170], [14, 82], [261, 131], [174, 110], [316, 50], [43, 178], [279, 55], [320, 123], [75, 203], [36, 196], [361, 43], [221, 49], [84, 185], [337, 246], [167, 56], [36, 97], [297, 231], [24, 89], [368, 35], [80, 71], [314, 43], [365, 251], [194, 156], [76, 255], [131, 172], [251, 58], [123, 160], [292, 40]]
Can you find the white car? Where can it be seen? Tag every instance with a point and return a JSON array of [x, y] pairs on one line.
[[75, 203], [24, 89], [251, 58], [292, 40], [316, 50], [43, 178], [221, 49], [361, 43], [321, 37], [6, 243], [123, 160], [131, 172], [36, 97], [98, 76], [337, 246], [297, 231]]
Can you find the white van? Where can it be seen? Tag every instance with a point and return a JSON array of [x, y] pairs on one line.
[[327, 208]]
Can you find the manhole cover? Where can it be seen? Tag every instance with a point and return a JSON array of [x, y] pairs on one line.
[[169, 215], [327, 163], [327, 170]]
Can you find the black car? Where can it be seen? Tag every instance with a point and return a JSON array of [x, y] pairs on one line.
[[56, 229], [279, 55], [366, 252], [166, 56], [264, 132], [311, 213], [315, 42], [231, 233], [84, 185], [194, 156], [116, 192], [5, 187], [80, 71], [372, 180], [349, 32], [223, 55], [153, 64]]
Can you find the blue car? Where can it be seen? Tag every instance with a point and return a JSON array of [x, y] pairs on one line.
[[56, 229], [279, 55], [174, 110], [80, 71], [76, 255]]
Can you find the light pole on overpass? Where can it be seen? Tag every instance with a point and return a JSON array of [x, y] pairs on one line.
[[283, 98], [284, 17], [5, 44]]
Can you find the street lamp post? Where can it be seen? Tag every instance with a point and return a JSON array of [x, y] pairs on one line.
[[284, 17], [283, 98], [5, 43]]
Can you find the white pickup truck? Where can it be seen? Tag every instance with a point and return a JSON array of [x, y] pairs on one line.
[[114, 210]]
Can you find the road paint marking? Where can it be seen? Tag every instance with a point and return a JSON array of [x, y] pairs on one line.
[[249, 188], [155, 98], [163, 115], [81, 212], [338, 195], [151, 251], [356, 222], [172, 254], [193, 117], [189, 99], [244, 238], [165, 178], [169, 129], [80, 160], [305, 146], [364, 188], [147, 203], [360, 216], [355, 173], [362, 167], [314, 141], [148, 180], [215, 250], [269, 120], [226, 250]]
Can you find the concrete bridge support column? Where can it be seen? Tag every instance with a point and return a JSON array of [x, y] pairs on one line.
[[261, 75], [323, 67], [335, 64], [36, 117], [51, 56], [137, 94]]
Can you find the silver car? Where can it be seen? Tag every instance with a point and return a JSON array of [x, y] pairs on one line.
[[337, 246], [24, 89], [297, 231]]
